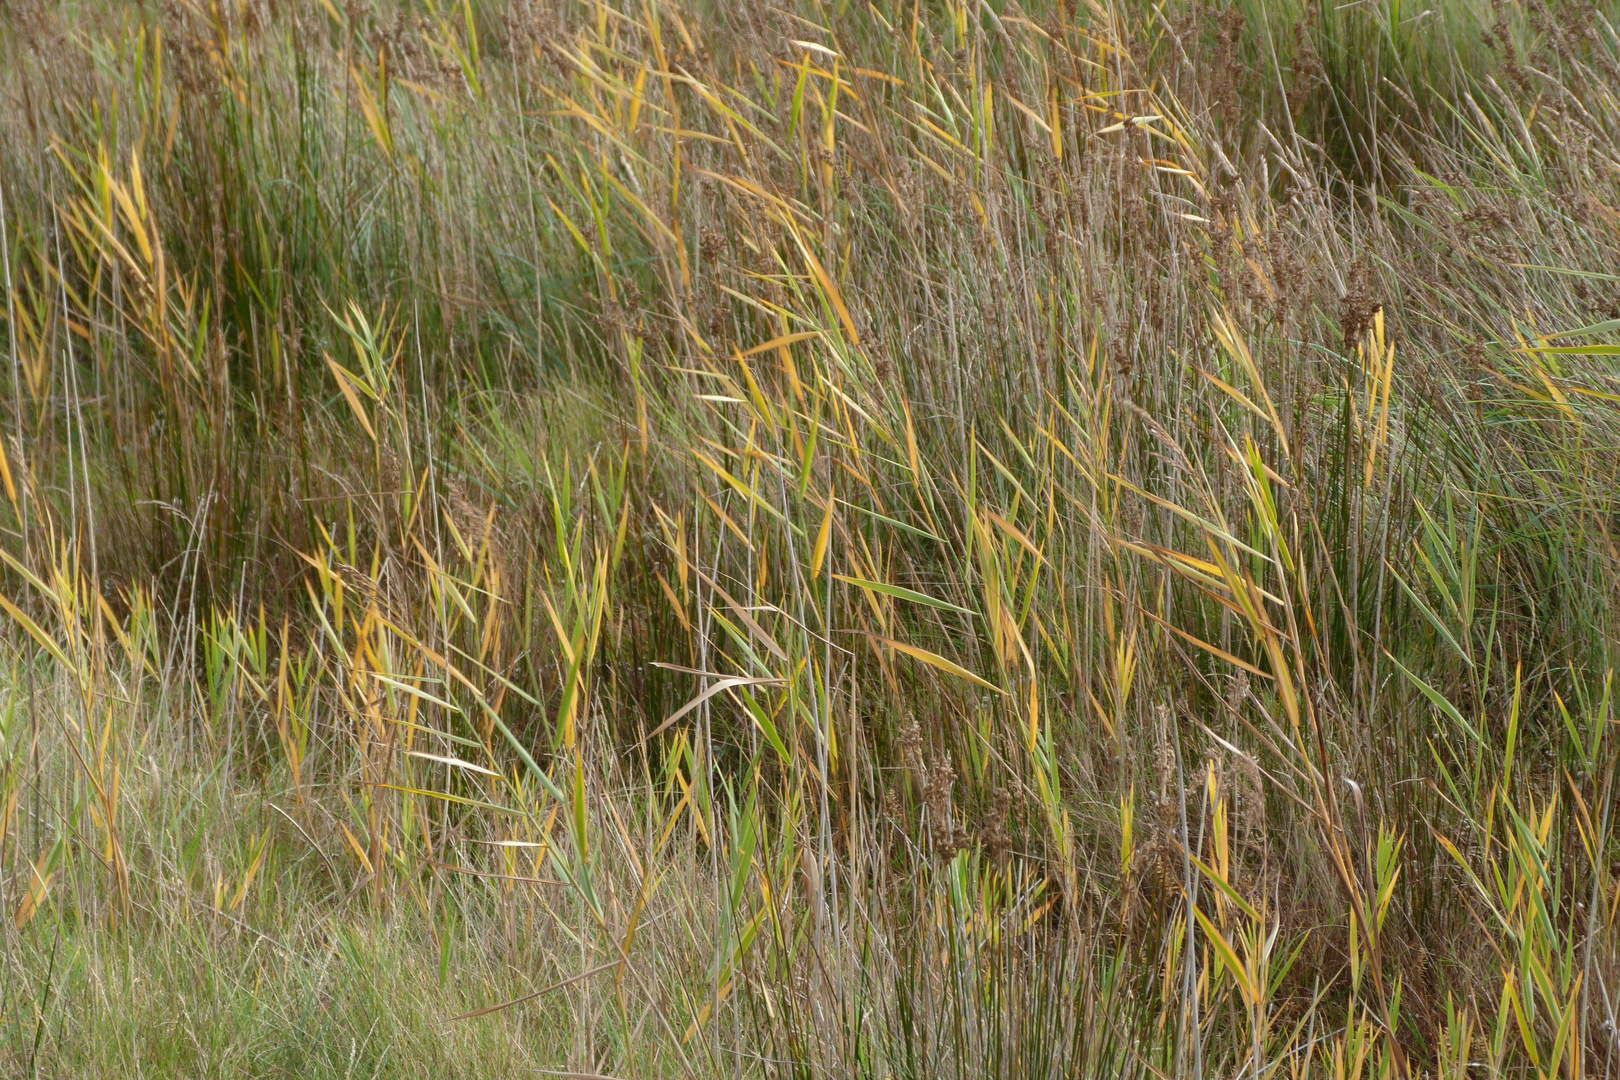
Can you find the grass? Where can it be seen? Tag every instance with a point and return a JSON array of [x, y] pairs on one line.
[[904, 540]]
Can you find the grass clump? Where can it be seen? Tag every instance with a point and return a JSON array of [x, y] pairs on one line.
[[901, 540]]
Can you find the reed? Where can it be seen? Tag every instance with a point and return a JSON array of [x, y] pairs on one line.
[[901, 540]]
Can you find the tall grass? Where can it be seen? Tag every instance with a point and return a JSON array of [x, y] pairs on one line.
[[904, 540]]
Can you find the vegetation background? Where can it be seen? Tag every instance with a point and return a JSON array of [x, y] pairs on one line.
[[892, 539]]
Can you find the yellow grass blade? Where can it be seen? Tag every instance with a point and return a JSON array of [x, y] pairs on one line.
[[938, 661], [354, 845], [343, 378]]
